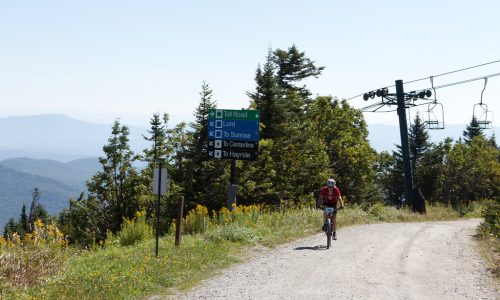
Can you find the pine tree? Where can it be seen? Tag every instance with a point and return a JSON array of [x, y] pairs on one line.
[[204, 184], [418, 141], [23, 220], [292, 67], [493, 141], [35, 196], [200, 125], [154, 155], [266, 99], [165, 146], [158, 138], [40, 213], [472, 130], [10, 228]]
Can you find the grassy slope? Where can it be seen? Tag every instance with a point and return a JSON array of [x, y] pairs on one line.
[[133, 272]]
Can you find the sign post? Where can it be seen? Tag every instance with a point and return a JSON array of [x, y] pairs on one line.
[[234, 135], [159, 188]]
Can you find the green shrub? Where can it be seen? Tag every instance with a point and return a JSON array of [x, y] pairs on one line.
[[197, 220], [134, 231], [377, 210], [232, 233], [491, 223]]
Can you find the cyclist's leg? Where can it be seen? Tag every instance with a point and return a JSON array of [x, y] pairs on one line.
[[334, 221]]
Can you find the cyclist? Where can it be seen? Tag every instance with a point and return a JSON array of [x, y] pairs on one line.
[[329, 196]]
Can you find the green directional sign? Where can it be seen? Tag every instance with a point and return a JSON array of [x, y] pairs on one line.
[[229, 114], [233, 134]]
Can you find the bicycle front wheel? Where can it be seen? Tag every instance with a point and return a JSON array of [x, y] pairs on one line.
[[328, 233]]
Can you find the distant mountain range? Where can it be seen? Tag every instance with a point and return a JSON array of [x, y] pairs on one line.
[[57, 182], [58, 137], [59, 154]]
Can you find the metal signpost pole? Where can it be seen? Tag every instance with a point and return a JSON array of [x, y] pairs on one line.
[[233, 166]]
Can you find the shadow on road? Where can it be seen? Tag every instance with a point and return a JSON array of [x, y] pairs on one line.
[[319, 247]]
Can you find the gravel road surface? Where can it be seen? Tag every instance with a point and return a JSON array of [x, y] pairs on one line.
[[431, 260]]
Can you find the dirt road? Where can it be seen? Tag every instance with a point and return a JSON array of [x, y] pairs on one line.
[[433, 260]]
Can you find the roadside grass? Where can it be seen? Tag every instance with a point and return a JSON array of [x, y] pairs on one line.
[[488, 235], [489, 248], [212, 242]]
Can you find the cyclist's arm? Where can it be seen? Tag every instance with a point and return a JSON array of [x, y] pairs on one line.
[[319, 203], [341, 201]]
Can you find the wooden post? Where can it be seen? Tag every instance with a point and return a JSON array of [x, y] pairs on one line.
[[178, 224], [158, 209]]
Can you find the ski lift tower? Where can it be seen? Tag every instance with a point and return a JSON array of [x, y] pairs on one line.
[[403, 101]]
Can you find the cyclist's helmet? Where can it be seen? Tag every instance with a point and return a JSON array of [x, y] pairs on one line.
[[330, 182]]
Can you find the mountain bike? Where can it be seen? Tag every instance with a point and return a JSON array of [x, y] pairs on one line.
[[329, 232]]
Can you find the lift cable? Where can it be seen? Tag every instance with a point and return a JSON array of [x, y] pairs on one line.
[[462, 82], [442, 74]]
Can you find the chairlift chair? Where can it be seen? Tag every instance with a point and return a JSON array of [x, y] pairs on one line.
[[435, 116], [435, 112], [483, 116]]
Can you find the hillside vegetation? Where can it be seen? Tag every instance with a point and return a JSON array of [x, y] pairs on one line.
[[213, 241]]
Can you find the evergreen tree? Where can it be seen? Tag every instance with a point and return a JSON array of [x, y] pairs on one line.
[[23, 220], [292, 67], [158, 151], [258, 178], [277, 97], [117, 186], [472, 130], [163, 148], [493, 140], [158, 137], [179, 140], [11, 227], [200, 125], [205, 184], [430, 170], [35, 197], [266, 99], [418, 141], [40, 213]]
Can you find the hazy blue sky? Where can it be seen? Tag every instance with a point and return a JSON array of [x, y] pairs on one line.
[[98, 60]]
